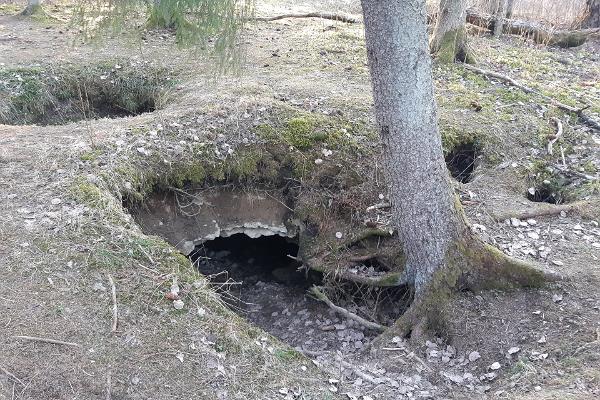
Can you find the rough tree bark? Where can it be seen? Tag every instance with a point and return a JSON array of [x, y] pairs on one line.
[[510, 6], [501, 7], [33, 6], [449, 39], [441, 252], [592, 17]]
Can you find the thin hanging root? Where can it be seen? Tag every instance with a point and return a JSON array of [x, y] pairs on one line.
[[340, 310]]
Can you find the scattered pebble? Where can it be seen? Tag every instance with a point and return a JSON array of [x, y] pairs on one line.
[[474, 356], [178, 304]]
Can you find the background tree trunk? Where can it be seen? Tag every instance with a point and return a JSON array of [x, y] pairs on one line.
[[510, 5], [449, 39], [33, 6], [592, 18], [500, 14], [418, 185]]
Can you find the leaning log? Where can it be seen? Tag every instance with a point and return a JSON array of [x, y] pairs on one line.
[[535, 31]]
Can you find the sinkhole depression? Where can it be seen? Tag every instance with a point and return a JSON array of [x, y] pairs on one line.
[[247, 244], [57, 95]]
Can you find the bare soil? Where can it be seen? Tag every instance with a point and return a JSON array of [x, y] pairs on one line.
[[64, 229]]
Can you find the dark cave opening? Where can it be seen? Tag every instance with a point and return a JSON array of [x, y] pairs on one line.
[[461, 161], [257, 278]]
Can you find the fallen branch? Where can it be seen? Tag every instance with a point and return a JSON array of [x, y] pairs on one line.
[[46, 340], [538, 32], [555, 137], [577, 111], [325, 15], [115, 320], [542, 210], [340, 310]]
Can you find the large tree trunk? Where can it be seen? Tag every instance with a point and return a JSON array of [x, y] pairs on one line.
[[441, 252], [592, 18], [417, 178], [449, 39], [33, 6]]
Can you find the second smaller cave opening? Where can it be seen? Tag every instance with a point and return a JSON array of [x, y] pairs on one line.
[[461, 161]]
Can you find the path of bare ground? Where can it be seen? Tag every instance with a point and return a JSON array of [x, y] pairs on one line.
[[57, 247]]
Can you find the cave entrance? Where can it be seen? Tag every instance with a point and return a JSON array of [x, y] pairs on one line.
[[245, 243], [260, 279], [248, 261]]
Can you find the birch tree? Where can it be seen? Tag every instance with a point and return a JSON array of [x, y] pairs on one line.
[[449, 39], [442, 254]]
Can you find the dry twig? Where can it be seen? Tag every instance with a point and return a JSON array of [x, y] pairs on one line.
[[11, 376], [555, 137], [340, 310], [46, 340], [115, 320], [325, 15], [359, 373]]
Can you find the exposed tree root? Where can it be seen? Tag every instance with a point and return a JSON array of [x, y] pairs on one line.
[[340, 310], [33, 9], [583, 208], [375, 232], [577, 111], [473, 265], [325, 15]]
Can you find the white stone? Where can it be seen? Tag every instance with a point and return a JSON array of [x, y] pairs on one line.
[[474, 356], [178, 304], [495, 366]]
